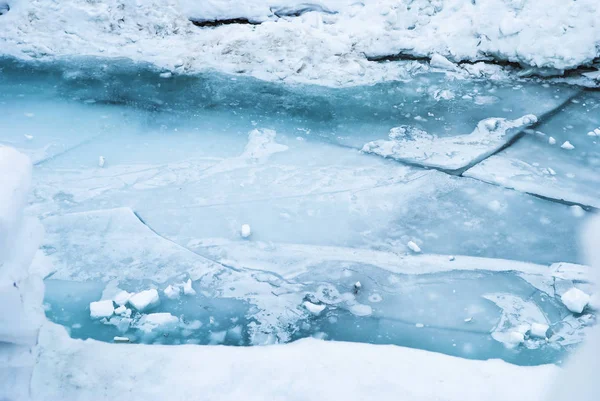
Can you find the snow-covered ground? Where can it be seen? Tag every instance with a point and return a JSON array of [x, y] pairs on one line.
[[329, 41]]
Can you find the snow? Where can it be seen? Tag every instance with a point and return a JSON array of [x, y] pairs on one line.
[[144, 300], [314, 308], [349, 369], [413, 145], [101, 309], [318, 46], [575, 300]]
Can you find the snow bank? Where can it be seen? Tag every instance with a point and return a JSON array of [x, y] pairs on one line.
[[329, 42], [82, 370], [21, 292]]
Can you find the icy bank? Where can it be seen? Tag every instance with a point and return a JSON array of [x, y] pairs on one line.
[[70, 369], [327, 42], [21, 292]]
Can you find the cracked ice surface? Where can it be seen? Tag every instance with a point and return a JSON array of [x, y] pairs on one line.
[[189, 161], [537, 166]]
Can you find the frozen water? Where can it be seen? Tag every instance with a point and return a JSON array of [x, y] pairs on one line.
[[536, 165], [191, 163]]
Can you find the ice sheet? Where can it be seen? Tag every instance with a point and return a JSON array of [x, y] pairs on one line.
[[536, 166]]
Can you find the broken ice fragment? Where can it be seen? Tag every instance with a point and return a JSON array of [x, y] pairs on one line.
[[28, 137], [413, 247], [441, 62], [410, 144], [165, 75], [172, 292], [567, 145], [246, 231], [538, 330], [101, 309], [313, 308], [468, 320], [122, 297], [144, 300], [123, 311], [451, 258], [101, 161], [118, 339], [552, 141], [162, 322], [187, 288], [575, 300], [419, 325]]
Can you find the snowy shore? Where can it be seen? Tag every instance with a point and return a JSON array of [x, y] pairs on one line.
[[329, 42]]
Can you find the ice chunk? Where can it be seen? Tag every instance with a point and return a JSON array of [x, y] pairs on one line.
[[439, 61], [101, 161], [122, 297], [187, 288], [413, 145], [123, 311], [101, 309], [510, 339], [172, 292], [144, 300], [158, 322], [539, 330], [246, 231], [165, 75], [413, 247], [575, 300], [567, 145], [314, 308], [551, 141], [118, 339]]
